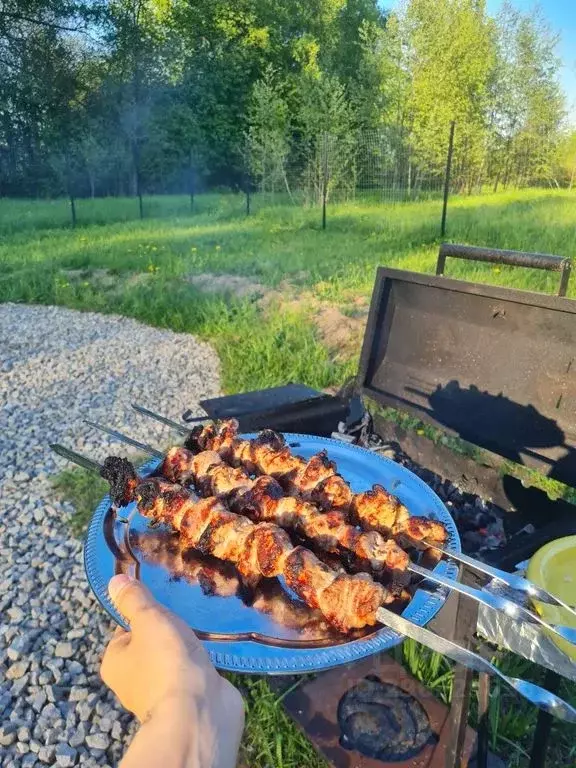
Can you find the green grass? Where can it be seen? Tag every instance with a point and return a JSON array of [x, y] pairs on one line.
[[84, 490], [115, 263], [38, 251]]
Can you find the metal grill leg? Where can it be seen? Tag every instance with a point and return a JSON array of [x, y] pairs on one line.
[[544, 725], [483, 728], [466, 622], [458, 716]]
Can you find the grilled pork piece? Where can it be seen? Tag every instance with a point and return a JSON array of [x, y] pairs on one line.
[[315, 480], [263, 499]]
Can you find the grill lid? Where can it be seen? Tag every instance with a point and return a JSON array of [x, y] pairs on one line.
[[495, 366]]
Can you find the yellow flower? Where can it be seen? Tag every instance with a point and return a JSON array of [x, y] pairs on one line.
[[419, 431], [497, 270], [193, 250], [217, 247], [85, 284]]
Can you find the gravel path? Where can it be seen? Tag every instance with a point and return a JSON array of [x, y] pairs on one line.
[[58, 366]]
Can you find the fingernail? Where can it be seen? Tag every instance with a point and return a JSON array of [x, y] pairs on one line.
[[117, 584]]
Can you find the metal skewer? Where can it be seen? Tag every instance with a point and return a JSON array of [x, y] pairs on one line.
[[162, 419], [76, 458], [494, 601], [512, 580], [537, 695]]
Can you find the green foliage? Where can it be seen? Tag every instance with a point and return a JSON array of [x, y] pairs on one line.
[[269, 134], [141, 95], [271, 739], [450, 56]]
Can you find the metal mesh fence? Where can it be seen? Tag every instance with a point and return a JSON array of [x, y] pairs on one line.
[[329, 168], [380, 166], [385, 166]]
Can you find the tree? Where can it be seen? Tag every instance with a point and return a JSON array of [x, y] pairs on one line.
[[450, 48], [324, 122], [268, 135], [528, 103]]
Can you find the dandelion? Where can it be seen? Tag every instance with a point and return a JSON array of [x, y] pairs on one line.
[[419, 431], [497, 270], [218, 248], [152, 268]]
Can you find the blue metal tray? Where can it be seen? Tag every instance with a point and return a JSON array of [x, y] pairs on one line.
[[271, 632]]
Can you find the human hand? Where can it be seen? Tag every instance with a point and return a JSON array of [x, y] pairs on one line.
[[160, 670]]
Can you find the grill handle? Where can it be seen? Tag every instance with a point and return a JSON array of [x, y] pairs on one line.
[[512, 258]]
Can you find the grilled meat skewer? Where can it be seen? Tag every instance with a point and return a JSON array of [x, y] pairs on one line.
[[315, 480], [257, 550], [216, 578], [264, 500]]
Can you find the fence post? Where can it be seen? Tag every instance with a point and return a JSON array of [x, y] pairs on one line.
[[69, 185], [447, 179], [73, 210], [324, 179]]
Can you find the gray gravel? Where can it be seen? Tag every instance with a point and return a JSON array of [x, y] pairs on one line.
[[57, 367]]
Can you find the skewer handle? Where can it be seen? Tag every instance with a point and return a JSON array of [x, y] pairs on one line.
[[538, 696], [162, 419], [497, 602], [144, 447], [76, 458], [512, 580]]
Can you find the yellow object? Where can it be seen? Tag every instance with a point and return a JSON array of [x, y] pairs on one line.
[[554, 568]]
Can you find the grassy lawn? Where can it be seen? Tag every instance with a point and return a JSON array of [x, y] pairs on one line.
[[115, 263]]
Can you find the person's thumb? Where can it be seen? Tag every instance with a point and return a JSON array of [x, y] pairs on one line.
[[130, 596]]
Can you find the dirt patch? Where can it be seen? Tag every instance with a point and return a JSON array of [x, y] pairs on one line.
[[339, 333], [340, 330], [236, 285]]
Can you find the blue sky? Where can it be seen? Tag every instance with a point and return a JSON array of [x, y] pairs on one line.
[[561, 15]]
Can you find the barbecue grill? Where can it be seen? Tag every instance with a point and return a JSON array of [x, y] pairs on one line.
[[493, 366]]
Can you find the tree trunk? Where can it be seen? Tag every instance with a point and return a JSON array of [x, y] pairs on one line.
[[191, 179], [572, 177]]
